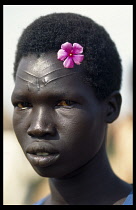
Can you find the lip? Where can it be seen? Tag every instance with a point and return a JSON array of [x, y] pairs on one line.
[[38, 160], [42, 161]]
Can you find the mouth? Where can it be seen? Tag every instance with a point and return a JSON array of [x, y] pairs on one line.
[[42, 156]]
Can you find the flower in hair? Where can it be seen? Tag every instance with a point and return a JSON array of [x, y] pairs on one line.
[[70, 54]]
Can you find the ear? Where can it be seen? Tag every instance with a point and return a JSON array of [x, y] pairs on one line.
[[113, 106]]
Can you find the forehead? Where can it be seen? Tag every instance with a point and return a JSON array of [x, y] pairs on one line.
[[43, 69], [47, 73], [43, 64], [39, 65]]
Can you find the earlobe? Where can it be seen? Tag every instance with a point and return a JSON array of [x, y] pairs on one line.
[[113, 106]]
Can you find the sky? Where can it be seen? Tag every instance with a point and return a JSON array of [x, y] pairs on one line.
[[116, 19]]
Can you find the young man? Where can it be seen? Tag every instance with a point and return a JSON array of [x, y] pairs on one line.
[[64, 100]]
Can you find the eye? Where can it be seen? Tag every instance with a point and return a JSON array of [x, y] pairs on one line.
[[23, 105], [65, 103]]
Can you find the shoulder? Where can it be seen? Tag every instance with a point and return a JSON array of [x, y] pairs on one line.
[[129, 199], [41, 201]]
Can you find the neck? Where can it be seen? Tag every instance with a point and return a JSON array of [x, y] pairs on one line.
[[88, 185]]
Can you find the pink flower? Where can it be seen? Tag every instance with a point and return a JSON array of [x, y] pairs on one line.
[[70, 54]]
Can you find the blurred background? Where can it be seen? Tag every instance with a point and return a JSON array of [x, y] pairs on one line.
[[21, 183]]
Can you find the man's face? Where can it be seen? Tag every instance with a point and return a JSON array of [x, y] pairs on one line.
[[57, 119]]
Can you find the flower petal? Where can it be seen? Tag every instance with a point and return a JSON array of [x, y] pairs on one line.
[[78, 59], [68, 63], [67, 47], [62, 54], [77, 48]]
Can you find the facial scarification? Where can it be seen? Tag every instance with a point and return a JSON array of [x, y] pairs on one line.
[[42, 81]]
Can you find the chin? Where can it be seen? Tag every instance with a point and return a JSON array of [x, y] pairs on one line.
[[49, 172]]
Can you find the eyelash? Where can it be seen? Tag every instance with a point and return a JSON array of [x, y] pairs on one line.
[[61, 103], [65, 103], [23, 105]]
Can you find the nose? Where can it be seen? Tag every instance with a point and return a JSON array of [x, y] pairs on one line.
[[41, 124]]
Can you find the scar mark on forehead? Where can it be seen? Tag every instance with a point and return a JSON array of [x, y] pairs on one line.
[[59, 77], [44, 81], [37, 84], [44, 74], [24, 79]]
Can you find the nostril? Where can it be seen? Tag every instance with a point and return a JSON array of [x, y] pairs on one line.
[[35, 132], [41, 132], [30, 134]]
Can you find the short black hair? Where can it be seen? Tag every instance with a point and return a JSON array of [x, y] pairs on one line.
[[102, 63]]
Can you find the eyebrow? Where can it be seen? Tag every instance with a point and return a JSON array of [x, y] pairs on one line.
[[59, 94], [48, 96], [18, 96]]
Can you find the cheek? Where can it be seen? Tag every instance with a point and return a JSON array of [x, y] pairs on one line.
[[20, 126], [83, 134], [82, 125]]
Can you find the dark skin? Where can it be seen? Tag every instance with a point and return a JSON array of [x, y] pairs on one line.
[[64, 119]]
